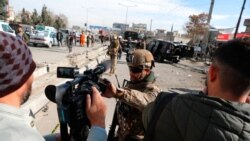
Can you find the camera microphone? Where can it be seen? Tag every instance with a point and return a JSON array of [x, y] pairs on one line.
[[50, 92], [56, 93]]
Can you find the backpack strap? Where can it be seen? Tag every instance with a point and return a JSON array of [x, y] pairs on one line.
[[161, 102]]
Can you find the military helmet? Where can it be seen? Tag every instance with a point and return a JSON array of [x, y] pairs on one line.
[[141, 57]]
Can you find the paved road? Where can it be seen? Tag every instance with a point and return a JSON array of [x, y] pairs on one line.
[[56, 54]]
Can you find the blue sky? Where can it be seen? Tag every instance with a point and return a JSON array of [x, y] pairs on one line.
[[163, 13]]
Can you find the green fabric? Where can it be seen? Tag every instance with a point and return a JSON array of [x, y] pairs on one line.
[[150, 79], [201, 118], [25, 38]]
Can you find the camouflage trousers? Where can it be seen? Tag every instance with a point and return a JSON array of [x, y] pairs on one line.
[[113, 59]]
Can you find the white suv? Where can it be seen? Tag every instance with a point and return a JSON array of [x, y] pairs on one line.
[[6, 28]]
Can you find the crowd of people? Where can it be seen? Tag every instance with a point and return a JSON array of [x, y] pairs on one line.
[[71, 39], [143, 112]]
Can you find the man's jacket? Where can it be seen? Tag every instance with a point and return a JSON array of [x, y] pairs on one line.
[[200, 118], [113, 47]]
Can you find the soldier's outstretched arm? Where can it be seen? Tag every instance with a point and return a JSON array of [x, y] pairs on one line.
[[137, 98]]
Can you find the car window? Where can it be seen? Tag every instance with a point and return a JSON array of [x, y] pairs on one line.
[[166, 45], [151, 45], [155, 47], [52, 35], [133, 35], [171, 46], [157, 43], [160, 45], [65, 31], [6, 28], [42, 33]]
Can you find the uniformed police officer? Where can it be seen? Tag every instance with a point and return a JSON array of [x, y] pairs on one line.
[[136, 94]]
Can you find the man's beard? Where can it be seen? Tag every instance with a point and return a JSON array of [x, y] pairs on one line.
[[25, 96]]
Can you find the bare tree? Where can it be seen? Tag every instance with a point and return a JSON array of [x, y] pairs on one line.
[[197, 25]]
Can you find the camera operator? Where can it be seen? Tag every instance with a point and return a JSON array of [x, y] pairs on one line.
[[136, 94], [16, 78], [17, 67], [221, 114]]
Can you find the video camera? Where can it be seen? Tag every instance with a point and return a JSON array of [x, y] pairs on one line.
[[70, 98]]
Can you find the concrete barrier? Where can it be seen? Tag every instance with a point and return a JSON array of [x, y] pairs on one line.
[[74, 60], [40, 71]]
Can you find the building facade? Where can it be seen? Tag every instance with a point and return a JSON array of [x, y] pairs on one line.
[[120, 26], [139, 27], [247, 24]]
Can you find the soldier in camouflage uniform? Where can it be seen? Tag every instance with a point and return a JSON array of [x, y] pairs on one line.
[[136, 94], [113, 52]]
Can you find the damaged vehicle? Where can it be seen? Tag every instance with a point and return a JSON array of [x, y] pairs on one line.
[[130, 39], [164, 50]]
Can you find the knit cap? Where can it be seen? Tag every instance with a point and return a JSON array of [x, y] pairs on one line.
[[16, 63]]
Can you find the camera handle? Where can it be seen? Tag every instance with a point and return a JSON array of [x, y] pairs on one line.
[[63, 123], [76, 134], [64, 132]]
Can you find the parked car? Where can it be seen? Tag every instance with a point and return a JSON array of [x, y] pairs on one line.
[[47, 38], [6, 28], [162, 50]]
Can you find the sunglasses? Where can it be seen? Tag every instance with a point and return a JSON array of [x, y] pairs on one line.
[[136, 69]]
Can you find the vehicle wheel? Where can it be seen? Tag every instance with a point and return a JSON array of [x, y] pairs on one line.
[[178, 53], [50, 45], [34, 45], [159, 58], [175, 59]]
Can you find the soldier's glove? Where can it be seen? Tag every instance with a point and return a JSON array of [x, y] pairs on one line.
[[104, 81], [119, 93]]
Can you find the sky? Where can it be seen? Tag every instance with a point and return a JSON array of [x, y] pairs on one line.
[[163, 13]]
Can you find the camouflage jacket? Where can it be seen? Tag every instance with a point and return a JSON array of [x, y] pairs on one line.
[[113, 47], [130, 105]]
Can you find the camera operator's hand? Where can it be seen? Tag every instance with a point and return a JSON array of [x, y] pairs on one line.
[[96, 109]]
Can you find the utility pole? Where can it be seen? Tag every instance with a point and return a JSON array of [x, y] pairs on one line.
[[238, 23], [206, 35], [86, 24], [150, 24], [126, 6]]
